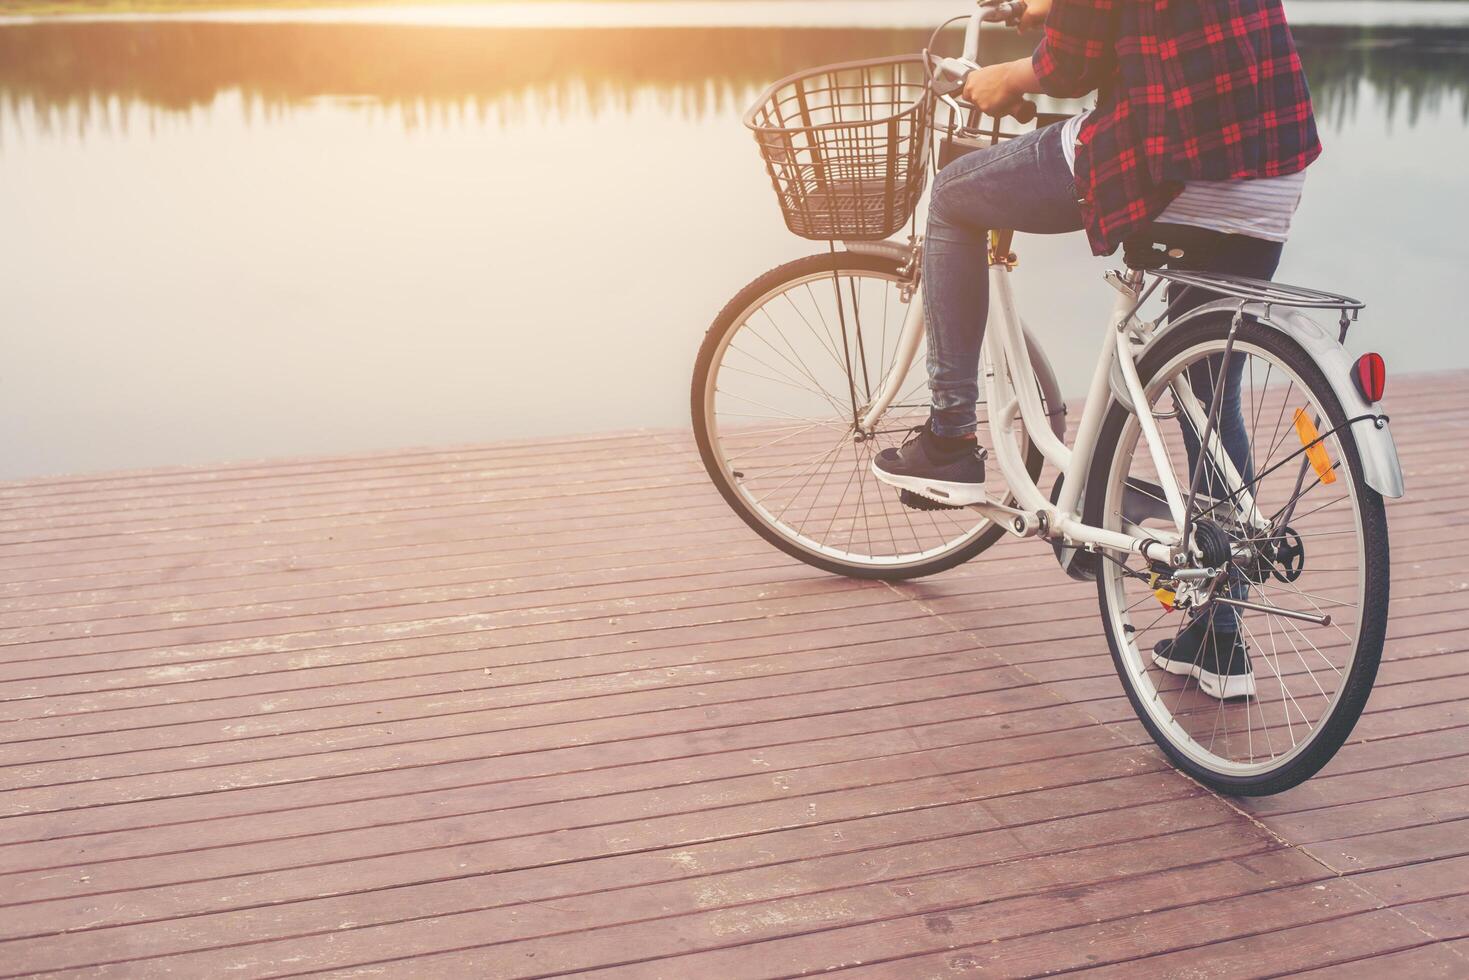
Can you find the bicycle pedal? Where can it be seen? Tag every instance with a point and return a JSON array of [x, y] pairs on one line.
[[919, 502]]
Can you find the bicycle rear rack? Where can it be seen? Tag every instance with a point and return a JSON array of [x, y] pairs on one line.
[[1247, 290], [1260, 290]]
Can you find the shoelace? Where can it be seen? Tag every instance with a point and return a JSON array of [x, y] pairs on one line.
[[918, 430]]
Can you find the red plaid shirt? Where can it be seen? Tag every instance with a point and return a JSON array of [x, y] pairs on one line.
[[1191, 90]]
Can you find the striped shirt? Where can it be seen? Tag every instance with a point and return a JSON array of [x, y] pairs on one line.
[[1260, 208]]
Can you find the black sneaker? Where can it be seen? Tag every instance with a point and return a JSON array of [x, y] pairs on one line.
[[948, 471], [1218, 658]]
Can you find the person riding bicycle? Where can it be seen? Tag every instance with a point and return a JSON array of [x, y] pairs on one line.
[[1199, 141]]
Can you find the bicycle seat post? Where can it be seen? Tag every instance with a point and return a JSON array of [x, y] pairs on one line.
[[1000, 253]]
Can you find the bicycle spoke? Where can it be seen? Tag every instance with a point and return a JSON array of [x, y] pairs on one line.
[[829, 343], [799, 364], [803, 463], [829, 423], [774, 442], [781, 377]]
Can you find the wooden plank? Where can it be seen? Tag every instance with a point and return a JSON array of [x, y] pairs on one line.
[[1446, 917], [1448, 837], [1426, 961], [1364, 936]]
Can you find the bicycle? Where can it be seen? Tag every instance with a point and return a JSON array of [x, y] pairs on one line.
[[815, 366]]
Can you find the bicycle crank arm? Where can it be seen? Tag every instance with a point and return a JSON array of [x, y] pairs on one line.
[[1321, 620], [1017, 522]]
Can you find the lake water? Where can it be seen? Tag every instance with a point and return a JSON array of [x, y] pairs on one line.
[[244, 237]]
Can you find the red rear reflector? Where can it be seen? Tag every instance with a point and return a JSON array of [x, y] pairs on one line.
[[1370, 374]]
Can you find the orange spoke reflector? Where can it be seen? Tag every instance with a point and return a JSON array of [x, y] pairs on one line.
[[1315, 451]]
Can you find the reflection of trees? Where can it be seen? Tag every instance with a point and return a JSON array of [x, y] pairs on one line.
[[82, 73], [1410, 70], [425, 73]]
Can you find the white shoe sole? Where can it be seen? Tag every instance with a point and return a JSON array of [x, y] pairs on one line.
[[1220, 686], [940, 491]]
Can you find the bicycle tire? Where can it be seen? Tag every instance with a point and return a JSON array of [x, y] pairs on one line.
[[731, 318], [1375, 562]]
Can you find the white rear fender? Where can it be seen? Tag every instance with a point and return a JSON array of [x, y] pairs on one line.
[[1380, 466]]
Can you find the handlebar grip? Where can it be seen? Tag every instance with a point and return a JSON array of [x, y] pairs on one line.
[[1007, 12], [1024, 112]]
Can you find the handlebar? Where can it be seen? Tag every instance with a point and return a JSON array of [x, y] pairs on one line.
[[949, 73]]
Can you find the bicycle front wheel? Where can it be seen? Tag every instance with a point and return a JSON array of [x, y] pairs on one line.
[[784, 373], [1278, 688]]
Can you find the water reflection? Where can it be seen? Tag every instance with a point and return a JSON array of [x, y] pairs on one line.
[[250, 240], [80, 75]]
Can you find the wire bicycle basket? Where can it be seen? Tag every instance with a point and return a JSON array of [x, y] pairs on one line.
[[846, 146]]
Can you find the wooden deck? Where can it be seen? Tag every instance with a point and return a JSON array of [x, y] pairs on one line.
[[408, 714]]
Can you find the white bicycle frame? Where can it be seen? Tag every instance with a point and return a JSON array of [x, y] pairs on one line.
[[1005, 356]]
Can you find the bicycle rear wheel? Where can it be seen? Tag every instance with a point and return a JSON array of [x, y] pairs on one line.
[[1314, 544], [784, 372]]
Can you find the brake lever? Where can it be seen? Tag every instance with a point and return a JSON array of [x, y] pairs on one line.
[[949, 75], [1024, 114]]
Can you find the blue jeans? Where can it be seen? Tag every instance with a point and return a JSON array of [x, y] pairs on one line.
[[1025, 185], [1022, 184]]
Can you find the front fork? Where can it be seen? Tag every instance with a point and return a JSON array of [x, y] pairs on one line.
[[907, 347]]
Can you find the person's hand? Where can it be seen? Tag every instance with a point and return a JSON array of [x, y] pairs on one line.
[[992, 89], [1034, 18]]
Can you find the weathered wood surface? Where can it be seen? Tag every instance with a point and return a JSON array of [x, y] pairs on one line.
[[412, 714]]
